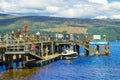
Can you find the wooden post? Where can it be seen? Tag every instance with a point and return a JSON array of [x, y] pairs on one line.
[[17, 59], [52, 47], [6, 60], [60, 48], [39, 49], [74, 47], [26, 58], [77, 49], [22, 60], [1, 54], [11, 61], [56, 49], [42, 51], [86, 51]]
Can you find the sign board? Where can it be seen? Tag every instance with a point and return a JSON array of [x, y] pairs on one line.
[[96, 36], [60, 36]]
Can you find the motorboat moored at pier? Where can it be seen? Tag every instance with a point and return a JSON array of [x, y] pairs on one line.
[[69, 54]]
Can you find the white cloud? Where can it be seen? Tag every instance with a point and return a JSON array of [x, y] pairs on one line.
[[6, 6], [52, 9], [101, 17], [99, 1], [115, 16], [62, 8]]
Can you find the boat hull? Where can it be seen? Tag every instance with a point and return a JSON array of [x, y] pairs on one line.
[[69, 55]]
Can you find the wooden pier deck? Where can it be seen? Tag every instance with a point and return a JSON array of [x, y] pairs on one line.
[[47, 60]]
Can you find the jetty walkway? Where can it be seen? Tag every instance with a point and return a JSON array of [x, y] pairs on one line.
[[39, 50]]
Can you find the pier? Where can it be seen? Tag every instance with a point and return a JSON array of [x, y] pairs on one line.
[[46, 48]]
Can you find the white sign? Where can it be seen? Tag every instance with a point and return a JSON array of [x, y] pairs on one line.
[[96, 36], [60, 35]]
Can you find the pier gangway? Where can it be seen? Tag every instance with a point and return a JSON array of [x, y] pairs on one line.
[[83, 45], [35, 56]]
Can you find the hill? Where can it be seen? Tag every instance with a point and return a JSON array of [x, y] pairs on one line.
[[6, 16], [89, 27]]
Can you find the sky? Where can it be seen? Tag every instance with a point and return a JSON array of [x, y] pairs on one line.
[[63, 8]]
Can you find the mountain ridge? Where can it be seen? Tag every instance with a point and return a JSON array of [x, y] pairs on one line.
[[37, 23]]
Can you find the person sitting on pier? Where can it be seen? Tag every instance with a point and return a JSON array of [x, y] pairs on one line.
[[32, 47]]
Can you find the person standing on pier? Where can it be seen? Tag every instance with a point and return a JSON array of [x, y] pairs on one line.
[[32, 47], [18, 35], [13, 36], [104, 37], [46, 51], [87, 40], [106, 49], [25, 28]]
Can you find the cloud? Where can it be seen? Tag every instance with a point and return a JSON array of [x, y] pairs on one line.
[[99, 1], [101, 17], [115, 16], [61, 8], [52, 9]]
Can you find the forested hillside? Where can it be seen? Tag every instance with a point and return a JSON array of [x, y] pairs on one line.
[[109, 27]]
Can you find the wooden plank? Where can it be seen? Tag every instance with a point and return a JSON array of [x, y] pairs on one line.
[[15, 52]]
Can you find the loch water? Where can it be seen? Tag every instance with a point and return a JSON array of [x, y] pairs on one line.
[[82, 68]]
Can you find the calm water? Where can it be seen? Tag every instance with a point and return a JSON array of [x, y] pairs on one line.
[[82, 68]]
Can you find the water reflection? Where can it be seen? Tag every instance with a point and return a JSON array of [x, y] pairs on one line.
[[18, 74], [82, 68]]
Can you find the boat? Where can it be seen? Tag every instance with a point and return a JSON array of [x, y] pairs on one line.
[[69, 54]]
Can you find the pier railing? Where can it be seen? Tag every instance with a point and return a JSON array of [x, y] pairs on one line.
[[12, 43]]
